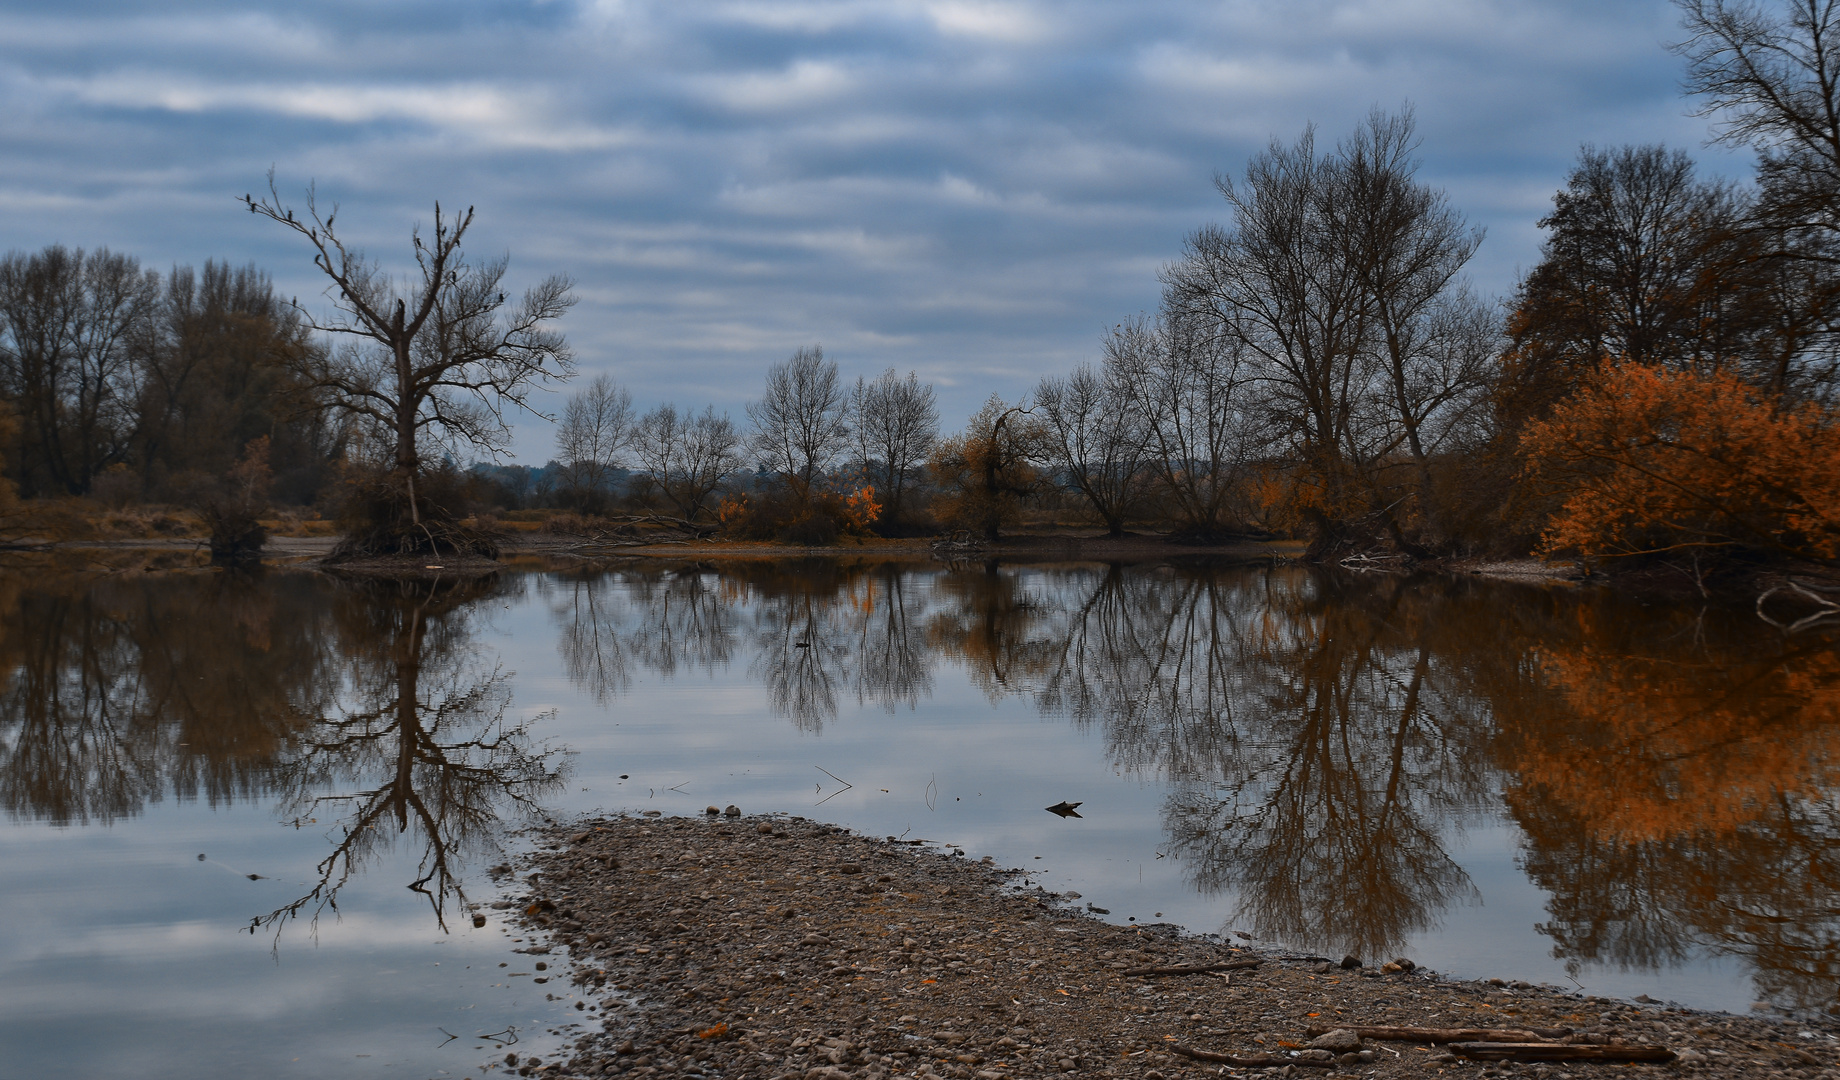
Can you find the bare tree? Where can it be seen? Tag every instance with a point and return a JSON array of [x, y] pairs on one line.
[[1432, 344], [1332, 284], [1773, 80], [687, 456], [71, 329], [431, 360], [596, 427], [985, 473], [1275, 282], [1096, 435], [896, 425], [801, 422], [1189, 382]]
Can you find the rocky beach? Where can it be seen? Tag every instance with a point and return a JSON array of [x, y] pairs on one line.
[[775, 948]]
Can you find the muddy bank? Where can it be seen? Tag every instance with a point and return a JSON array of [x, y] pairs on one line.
[[779, 948]]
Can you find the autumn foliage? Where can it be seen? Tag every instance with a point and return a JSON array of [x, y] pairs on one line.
[[1648, 748], [1647, 461], [818, 518]]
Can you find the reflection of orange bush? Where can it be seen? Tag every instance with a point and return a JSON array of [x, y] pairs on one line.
[[1651, 460], [1656, 750]]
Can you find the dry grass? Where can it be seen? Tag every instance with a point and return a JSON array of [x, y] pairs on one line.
[[147, 522], [298, 522]]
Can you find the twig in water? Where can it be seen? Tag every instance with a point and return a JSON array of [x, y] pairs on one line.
[[450, 1035], [932, 793], [846, 785]]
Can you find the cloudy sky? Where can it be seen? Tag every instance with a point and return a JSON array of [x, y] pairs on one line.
[[971, 189]]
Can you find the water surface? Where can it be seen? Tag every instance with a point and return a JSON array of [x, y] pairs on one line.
[[1494, 779]]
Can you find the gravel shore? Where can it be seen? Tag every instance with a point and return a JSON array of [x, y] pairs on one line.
[[726, 946]]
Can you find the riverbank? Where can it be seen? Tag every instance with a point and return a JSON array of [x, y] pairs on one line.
[[777, 948]]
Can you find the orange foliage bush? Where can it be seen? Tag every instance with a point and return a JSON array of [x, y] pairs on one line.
[[860, 510], [816, 519], [1648, 460]]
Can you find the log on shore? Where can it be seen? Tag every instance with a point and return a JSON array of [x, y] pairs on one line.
[[1549, 1051], [1193, 969], [1245, 1061], [1447, 1035]]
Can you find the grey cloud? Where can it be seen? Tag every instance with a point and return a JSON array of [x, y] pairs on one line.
[[970, 189]]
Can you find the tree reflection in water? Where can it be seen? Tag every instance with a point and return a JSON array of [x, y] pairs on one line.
[[363, 701], [818, 630], [420, 744], [1676, 783], [1319, 750], [1324, 736], [117, 692]]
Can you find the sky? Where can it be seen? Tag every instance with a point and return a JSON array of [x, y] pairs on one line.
[[969, 189]]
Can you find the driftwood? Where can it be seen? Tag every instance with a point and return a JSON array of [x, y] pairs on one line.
[[1247, 1061], [1554, 1051], [1193, 969], [1448, 1035]]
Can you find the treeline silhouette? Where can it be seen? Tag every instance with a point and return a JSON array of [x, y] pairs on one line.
[[1660, 386]]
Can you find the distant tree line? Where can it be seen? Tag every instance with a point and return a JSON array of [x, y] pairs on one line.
[[119, 382]]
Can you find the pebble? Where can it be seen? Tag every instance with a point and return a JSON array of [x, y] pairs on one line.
[[757, 954], [1339, 1041]]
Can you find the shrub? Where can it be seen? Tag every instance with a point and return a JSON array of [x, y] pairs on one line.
[[817, 519], [1648, 461]]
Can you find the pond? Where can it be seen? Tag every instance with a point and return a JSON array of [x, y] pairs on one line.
[[250, 819]]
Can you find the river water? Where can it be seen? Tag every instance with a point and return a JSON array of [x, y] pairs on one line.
[[249, 819]]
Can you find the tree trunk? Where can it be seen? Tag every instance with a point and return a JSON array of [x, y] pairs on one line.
[[407, 462]]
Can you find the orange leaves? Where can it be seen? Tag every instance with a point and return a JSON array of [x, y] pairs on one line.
[[1651, 744], [1649, 460], [733, 513], [860, 510]]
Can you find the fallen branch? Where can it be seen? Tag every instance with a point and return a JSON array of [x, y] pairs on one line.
[[1553, 1051], [1247, 1061], [1194, 969], [1449, 1035]]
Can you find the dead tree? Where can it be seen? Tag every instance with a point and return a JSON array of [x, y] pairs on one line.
[[432, 361]]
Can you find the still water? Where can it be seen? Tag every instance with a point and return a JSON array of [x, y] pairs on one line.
[[249, 819]]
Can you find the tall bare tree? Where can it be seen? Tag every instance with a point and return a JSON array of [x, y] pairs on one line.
[[595, 430], [1278, 282], [896, 424], [1096, 436], [801, 422], [1770, 74], [1409, 245], [687, 456], [1334, 283], [432, 359]]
